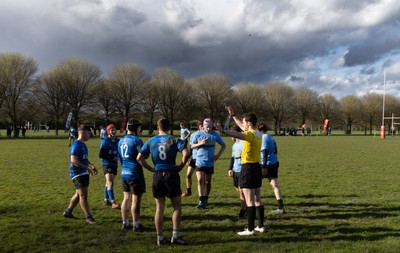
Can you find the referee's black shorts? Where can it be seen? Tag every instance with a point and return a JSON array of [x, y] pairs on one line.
[[251, 176]]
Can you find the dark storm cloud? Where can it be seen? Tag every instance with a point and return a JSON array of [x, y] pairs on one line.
[[380, 43], [326, 45]]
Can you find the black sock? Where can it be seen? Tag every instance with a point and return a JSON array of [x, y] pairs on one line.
[[251, 216], [280, 204], [260, 216], [189, 190]]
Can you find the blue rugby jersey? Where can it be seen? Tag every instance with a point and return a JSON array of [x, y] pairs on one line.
[[109, 150], [237, 148], [163, 150], [128, 149], [268, 143], [80, 150], [205, 153]]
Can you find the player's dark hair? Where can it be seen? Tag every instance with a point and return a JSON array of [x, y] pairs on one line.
[[251, 117], [262, 127], [133, 125], [164, 124]]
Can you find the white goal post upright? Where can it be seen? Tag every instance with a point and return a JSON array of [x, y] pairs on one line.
[[383, 105]]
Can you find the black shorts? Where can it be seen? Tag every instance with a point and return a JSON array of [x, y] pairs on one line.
[[166, 183], [192, 163], [272, 170], [250, 176], [206, 170], [81, 181], [110, 170], [136, 187], [236, 179]]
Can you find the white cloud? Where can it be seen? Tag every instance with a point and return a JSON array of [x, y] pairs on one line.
[[335, 46]]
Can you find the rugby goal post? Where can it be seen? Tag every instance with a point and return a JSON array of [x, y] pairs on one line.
[[392, 118]]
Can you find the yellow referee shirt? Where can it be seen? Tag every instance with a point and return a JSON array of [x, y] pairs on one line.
[[251, 147]]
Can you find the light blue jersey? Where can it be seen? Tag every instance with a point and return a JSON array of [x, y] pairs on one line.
[[128, 149], [205, 153], [194, 150], [163, 150], [268, 143], [103, 133], [184, 133], [237, 148], [80, 150], [73, 133]]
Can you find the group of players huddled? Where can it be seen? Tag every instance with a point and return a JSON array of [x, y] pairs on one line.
[[247, 167]]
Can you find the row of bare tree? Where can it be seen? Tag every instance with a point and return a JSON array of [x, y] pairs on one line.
[[129, 90]]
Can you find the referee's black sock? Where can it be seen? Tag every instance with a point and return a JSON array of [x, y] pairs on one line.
[[260, 215], [280, 204], [251, 216]]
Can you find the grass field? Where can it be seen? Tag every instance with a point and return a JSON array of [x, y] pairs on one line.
[[341, 195]]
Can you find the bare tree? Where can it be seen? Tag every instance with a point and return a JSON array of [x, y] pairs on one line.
[[128, 81], [279, 99], [250, 98], [372, 108], [171, 87], [191, 108], [16, 78], [350, 110], [79, 79], [105, 100], [50, 94], [214, 93], [150, 103], [306, 102], [329, 107]]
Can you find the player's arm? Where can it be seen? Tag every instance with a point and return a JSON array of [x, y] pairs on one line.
[[237, 120], [222, 149], [200, 143], [231, 133], [264, 155], [90, 168], [185, 158], [230, 168], [142, 160]]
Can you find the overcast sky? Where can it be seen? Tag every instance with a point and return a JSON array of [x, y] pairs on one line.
[[332, 46]]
